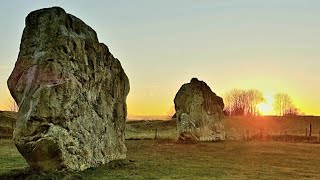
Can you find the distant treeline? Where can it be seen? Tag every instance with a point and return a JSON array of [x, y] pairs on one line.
[[239, 102]]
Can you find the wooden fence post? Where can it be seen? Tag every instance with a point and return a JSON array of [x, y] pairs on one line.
[[156, 134], [310, 132]]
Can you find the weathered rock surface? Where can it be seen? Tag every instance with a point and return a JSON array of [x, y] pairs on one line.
[[199, 113], [71, 92]]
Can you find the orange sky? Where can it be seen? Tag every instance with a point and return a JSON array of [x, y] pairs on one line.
[[273, 46]]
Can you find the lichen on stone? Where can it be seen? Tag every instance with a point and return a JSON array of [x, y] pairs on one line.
[[71, 92], [199, 112]]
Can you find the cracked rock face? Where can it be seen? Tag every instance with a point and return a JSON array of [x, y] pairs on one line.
[[199, 113], [71, 92]]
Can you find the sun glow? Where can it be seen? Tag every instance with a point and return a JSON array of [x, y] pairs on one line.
[[266, 108]]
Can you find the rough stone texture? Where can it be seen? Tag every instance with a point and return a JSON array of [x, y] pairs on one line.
[[71, 92], [199, 113]]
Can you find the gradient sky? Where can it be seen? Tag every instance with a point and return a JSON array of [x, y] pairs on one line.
[[273, 45]]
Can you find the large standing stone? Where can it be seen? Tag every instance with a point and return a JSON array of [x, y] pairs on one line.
[[71, 92], [199, 112]]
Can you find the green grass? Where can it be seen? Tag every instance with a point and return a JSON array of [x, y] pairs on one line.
[[228, 160], [166, 159], [10, 158], [272, 125], [7, 122], [142, 130], [236, 127]]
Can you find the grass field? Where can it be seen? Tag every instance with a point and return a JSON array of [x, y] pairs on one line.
[[7, 122], [236, 127], [154, 153], [293, 125], [163, 159]]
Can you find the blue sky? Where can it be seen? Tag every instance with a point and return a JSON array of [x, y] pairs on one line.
[[269, 45]]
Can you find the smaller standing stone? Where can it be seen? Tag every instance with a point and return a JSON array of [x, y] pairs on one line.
[[199, 113]]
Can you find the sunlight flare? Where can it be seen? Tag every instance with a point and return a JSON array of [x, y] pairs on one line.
[[266, 108]]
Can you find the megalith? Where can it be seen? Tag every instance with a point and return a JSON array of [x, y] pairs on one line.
[[199, 113], [71, 92]]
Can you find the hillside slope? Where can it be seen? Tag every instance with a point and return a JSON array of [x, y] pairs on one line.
[[237, 126], [7, 123]]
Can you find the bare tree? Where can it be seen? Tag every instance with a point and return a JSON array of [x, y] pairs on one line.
[[282, 103], [254, 97], [292, 111], [243, 102], [234, 102]]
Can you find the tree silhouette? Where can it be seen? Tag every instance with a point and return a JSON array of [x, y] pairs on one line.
[[243, 102], [283, 104], [292, 111], [254, 97]]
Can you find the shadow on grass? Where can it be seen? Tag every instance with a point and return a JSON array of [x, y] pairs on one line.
[[22, 174], [19, 174]]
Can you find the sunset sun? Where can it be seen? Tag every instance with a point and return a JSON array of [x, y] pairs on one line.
[[266, 108], [160, 89]]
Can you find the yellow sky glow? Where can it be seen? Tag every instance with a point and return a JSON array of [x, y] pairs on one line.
[[154, 102], [271, 46]]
